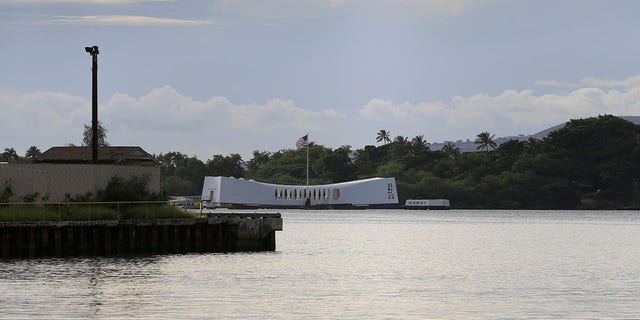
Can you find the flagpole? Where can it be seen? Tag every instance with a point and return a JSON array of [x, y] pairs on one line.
[[307, 161], [304, 141]]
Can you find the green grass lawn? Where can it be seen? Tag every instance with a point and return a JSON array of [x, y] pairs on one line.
[[94, 211]]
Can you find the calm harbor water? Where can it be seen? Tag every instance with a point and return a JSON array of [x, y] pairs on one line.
[[395, 264]]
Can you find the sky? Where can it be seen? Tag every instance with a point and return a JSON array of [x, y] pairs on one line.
[[235, 76]]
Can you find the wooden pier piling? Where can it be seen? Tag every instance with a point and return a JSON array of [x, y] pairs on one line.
[[218, 233]]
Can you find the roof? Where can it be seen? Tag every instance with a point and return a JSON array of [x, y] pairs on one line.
[[110, 155]]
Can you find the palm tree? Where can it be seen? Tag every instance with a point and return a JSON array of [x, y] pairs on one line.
[[451, 150], [418, 142], [32, 153], [401, 140], [485, 140], [400, 148], [383, 135], [10, 155]]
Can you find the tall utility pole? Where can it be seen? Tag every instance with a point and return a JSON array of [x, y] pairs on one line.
[[93, 51]]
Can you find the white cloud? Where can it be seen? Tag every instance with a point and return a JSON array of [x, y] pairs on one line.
[[604, 83], [510, 113], [213, 126], [166, 120], [276, 9], [557, 84], [76, 5], [180, 113], [41, 119], [594, 83], [306, 8], [38, 112], [448, 7], [83, 1], [127, 21]]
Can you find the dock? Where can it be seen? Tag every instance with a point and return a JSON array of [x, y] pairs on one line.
[[228, 232]]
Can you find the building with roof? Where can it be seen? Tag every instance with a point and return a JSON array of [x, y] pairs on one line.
[[63, 173], [118, 155], [232, 192]]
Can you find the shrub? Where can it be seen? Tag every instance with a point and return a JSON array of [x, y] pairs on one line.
[[7, 192], [30, 197], [132, 189]]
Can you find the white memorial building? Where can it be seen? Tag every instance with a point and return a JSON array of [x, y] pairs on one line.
[[232, 192]]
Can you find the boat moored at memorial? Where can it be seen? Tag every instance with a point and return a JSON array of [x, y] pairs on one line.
[[427, 204]]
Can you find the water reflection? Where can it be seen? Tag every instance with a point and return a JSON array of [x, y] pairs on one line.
[[363, 264]]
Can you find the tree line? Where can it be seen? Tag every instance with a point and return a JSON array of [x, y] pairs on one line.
[[10, 155], [591, 163]]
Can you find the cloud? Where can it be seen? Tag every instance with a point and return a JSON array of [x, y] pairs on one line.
[[214, 126], [40, 119], [166, 120], [604, 83], [510, 113], [277, 9], [439, 7], [83, 1], [127, 21], [557, 84], [73, 6], [163, 120], [306, 8], [181, 113], [38, 112], [594, 83]]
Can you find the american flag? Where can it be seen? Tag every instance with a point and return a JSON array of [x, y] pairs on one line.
[[302, 142]]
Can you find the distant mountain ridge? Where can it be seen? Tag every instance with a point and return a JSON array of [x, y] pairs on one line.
[[469, 146]]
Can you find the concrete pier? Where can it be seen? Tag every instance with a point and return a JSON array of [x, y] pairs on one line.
[[217, 233]]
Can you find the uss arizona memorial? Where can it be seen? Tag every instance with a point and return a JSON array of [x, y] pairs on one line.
[[366, 193], [232, 192]]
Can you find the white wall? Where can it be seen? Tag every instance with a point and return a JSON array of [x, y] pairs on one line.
[[239, 191]]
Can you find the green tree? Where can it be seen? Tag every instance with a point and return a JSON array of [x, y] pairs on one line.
[[419, 143], [485, 140], [133, 188], [257, 162], [383, 136], [450, 150], [619, 175], [591, 163], [367, 159], [177, 186], [10, 155], [391, 169], [187, 172], [285, 166], [401, 149], [228, 166], [475, 164], [88, 134], [597, 155], [170, 161], [446, 161], [32, 153], [507, 154], [336, 165]]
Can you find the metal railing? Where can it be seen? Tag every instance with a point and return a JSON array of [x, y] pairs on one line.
[[88, 211]]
